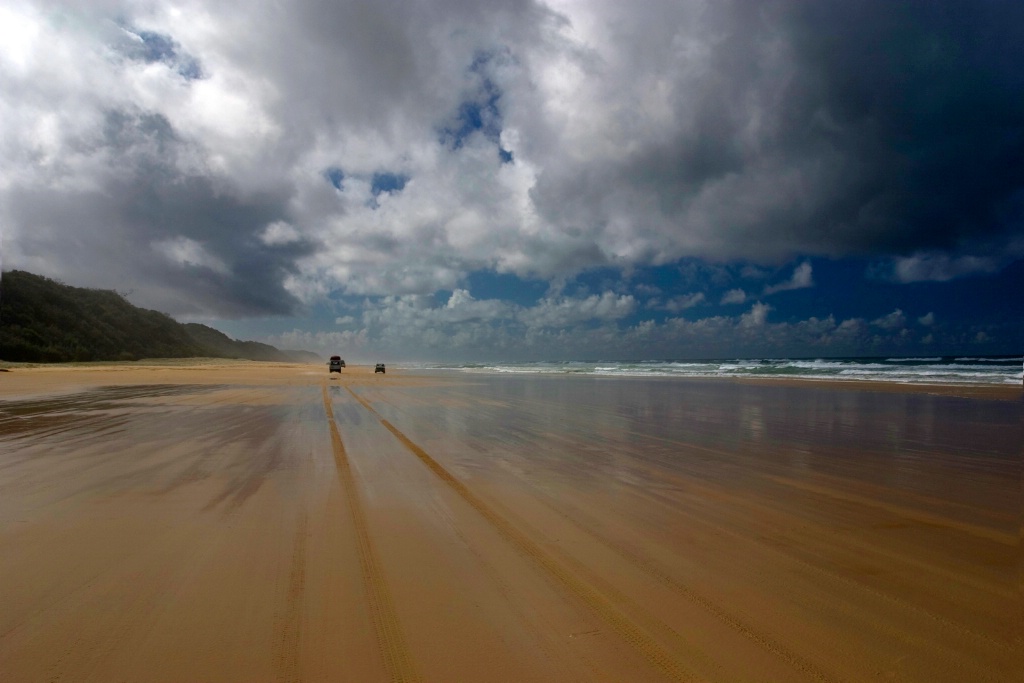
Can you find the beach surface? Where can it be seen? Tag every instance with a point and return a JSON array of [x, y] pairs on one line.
[[235, 521]]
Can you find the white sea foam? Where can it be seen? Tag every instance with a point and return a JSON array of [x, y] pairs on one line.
[[924, 370]]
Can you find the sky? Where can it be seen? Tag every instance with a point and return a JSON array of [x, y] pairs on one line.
[[467, 180]]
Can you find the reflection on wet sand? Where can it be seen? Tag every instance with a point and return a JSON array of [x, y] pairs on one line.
[[266, 522]]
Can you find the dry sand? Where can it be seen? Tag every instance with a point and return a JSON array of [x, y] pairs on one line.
[[264, 522]]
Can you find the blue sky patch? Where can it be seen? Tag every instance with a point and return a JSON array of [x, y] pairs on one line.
[[486, 284], [335, 176], [387, 182], [157, 47], [153, 47], [479, 111]]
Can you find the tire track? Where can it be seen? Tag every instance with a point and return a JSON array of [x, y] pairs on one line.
[[655, 654], [763, 639], [654, 570], [835, 577], [820, 572], [824, 575], [289, 625], [397, 658], [551, 653], [922, 517]]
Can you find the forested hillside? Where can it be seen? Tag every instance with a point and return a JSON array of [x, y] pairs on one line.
[[42, 320], [222, 346]]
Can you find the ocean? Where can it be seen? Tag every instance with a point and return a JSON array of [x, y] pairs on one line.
[[986, 370]]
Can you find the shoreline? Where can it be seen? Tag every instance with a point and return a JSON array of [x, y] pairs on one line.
[[16, 380], [1001, 392]]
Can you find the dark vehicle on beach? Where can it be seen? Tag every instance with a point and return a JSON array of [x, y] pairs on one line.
[[378, 368], [336, 364]]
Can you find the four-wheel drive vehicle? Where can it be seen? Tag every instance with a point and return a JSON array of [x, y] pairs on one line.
[[379, 368], [336, 364]]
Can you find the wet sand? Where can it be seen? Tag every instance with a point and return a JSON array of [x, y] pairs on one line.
[[266, 522]]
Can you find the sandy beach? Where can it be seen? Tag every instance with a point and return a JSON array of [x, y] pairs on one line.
[[235, 521]]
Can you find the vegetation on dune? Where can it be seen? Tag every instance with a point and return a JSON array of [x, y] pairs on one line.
[[44, 321], [223, 346]]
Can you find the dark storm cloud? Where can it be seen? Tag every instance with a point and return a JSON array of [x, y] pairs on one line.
[[926, 98], [823, 127], [228, 227], [142, 216], [390, 67], [388, 148]]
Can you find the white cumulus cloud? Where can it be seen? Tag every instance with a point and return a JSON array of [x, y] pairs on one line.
[[802, 278]]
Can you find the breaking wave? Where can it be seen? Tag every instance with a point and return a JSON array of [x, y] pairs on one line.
[[931, 370]]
